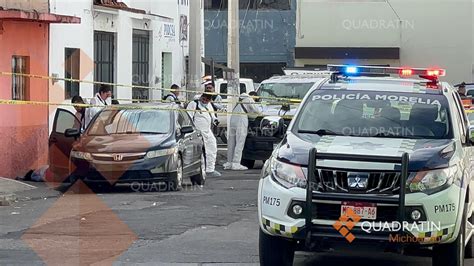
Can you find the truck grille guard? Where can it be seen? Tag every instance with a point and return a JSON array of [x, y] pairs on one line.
[[314, 177]]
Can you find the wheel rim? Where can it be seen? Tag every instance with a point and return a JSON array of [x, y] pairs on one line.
[[179, 173]]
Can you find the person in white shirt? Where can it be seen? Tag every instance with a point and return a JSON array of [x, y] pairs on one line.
[[102, 98], [201, 111]]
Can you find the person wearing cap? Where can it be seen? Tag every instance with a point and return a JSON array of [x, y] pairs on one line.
[[202, 113], [462, 90]]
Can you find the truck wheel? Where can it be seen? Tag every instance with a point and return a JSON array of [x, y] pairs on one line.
[[248, 163], [451, 254], [275, 250], [470, 244]]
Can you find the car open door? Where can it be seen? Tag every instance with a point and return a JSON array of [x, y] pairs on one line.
[[60, 146]]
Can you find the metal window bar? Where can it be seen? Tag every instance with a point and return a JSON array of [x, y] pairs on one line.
[[314, 175], [104, 57]]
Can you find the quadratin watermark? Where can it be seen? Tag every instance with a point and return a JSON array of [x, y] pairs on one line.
[[377, 24], [247, 25], [395, 229]]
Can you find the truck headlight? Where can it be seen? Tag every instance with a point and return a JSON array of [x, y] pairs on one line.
[[288, 175], [160, 153], [430, 182], [81, 155]]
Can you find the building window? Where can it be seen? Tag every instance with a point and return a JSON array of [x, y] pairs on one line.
[[71, 71], [104, 57], [20, 84], [141, 64], [166, 70]]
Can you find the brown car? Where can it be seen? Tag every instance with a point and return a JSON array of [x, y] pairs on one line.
[[128, 144]]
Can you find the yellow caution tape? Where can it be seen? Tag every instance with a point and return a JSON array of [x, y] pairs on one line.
[[289, 100], [125, 107]]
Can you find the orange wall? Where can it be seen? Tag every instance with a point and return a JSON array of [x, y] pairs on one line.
[[24, 128]]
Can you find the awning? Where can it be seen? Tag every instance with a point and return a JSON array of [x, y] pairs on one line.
[[30, 16]]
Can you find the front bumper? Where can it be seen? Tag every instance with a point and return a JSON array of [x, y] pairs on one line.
[[275, 203], [159, 169]]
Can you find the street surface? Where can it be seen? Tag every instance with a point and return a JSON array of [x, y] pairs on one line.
[[213, 225]]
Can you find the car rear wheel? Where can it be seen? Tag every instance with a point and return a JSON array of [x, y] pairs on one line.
[[177, 182], [200, 178], [470, 245], [451, 254], [275, 250], [247, 163]]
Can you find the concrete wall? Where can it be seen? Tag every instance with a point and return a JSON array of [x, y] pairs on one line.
[[41, 6], [429, 33], [121, 23], [24, 128], [265, 35]]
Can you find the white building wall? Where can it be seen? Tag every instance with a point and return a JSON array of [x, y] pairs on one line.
[[121, 23], [429, 33]]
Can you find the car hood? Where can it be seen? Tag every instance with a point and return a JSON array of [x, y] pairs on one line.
[[276, 110], [123, 143], [424, 153]]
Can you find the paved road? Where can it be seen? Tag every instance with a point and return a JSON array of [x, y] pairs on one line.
[[213, 225]]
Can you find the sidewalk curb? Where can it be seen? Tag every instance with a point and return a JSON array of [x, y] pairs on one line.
[[7, 199]]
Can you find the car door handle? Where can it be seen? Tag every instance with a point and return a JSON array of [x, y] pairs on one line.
[[53, 140]]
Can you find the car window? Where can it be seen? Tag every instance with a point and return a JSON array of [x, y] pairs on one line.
[[112, 122], [460, 118], [65, 120], [284, 90], [375, 114], [183, 119], [224, 89]]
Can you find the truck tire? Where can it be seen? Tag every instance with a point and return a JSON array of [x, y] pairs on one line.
[[248, 163], [451, 254], [275, 250], [470, 245]]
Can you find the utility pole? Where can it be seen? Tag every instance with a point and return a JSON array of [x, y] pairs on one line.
[[195, 38], [233, 54]]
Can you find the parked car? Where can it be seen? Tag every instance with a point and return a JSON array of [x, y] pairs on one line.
[[380, 162], [128, 145]]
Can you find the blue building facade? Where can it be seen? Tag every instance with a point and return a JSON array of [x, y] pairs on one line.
[[267, 36]]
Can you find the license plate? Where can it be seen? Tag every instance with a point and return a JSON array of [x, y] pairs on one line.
[[366, 211]]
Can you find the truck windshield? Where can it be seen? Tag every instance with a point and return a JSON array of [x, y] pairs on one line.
[[114, 122], [375, 114], [285, 90]]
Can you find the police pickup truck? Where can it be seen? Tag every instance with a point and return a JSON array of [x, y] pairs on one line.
[[279, 99], [372, 161]]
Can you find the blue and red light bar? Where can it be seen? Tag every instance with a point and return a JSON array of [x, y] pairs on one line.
[[349, 70]]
